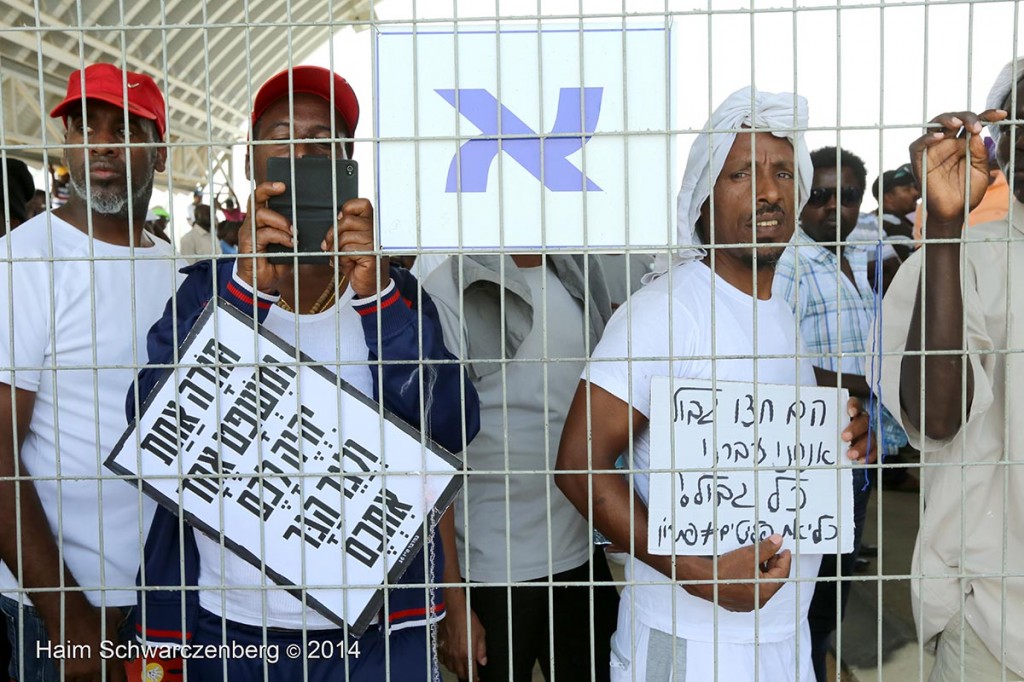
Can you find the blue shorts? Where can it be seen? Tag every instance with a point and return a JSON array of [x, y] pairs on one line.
[[326, 655]]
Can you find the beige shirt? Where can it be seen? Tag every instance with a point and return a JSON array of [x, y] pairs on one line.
[[972, 531], [198, 244]]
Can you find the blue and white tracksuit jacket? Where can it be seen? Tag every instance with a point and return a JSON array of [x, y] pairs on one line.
[[170, 547]]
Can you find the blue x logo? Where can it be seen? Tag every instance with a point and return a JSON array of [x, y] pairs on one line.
[[577, 107]]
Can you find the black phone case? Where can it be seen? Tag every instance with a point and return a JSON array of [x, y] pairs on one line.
[[315, 209]]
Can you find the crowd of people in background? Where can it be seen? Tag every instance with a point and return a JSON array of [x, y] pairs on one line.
[[514, 392]]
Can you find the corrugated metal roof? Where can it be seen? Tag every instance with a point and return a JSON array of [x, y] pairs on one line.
[[207, 57]]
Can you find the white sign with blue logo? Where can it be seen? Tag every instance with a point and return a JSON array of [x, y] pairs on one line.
[[525, 136]]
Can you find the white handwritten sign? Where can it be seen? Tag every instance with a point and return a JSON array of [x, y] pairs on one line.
[[338, 497], [735, 462]]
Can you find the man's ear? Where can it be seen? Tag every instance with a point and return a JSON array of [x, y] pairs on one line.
[[246, 162], [160, 161], [63, 156]]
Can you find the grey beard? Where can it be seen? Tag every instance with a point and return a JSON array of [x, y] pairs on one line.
[[108, 203]]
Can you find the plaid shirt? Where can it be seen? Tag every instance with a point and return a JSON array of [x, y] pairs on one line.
[[834, 315]]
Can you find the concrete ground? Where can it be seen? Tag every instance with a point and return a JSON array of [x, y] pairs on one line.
[[878, 639]]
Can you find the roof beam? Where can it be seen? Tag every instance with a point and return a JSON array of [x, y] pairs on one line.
[[74, 61]]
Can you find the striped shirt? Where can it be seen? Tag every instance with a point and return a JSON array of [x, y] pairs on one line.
[[834, 314]]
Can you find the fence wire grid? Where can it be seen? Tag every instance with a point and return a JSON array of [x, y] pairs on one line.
[[511, 340]]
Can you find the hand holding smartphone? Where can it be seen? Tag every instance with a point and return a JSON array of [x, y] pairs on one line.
[[316, 206]]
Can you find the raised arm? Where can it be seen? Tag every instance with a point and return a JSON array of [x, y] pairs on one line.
[[937, 322]]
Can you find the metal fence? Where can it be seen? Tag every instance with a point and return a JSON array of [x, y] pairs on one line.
[[461, 437]]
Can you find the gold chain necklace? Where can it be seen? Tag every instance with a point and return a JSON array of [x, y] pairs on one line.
[[325, 301]]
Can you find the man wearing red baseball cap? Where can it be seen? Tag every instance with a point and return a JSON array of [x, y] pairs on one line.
[[83, 284], [366, 320], [113, 95]]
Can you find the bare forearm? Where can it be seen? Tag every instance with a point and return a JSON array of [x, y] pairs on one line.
[[38, 562], [36, 558], [462, 640], [454, 596], [951, 164], [596, 430], [67, 614], [936, 327], [620, 514]]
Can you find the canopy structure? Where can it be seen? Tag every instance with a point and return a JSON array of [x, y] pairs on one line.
[[207, 57]]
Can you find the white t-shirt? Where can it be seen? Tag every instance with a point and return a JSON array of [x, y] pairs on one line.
[[866, 235], [519, 432], [335, 338], [72, 304], [673, 317]]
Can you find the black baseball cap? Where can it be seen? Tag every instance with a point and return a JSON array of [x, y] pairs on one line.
[[20, 188], [904, 175]]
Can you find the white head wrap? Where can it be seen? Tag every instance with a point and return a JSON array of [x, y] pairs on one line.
[[782, 114], [1001, 88]]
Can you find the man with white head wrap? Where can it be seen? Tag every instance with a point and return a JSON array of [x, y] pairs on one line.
[[963, 303], [745, 108], [742, 191]]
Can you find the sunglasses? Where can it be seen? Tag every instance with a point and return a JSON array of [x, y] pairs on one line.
[[848, 196]]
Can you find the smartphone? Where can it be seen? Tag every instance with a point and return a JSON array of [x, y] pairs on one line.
[[316, 206]]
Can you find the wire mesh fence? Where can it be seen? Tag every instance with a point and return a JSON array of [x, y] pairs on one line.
[[506, 340]]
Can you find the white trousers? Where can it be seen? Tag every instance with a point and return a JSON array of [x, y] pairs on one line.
[[641, 654]]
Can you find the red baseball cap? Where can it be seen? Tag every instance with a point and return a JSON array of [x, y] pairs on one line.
[[105, 82], [312, 80]]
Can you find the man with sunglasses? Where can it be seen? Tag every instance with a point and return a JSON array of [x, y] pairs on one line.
[[826, 283]]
